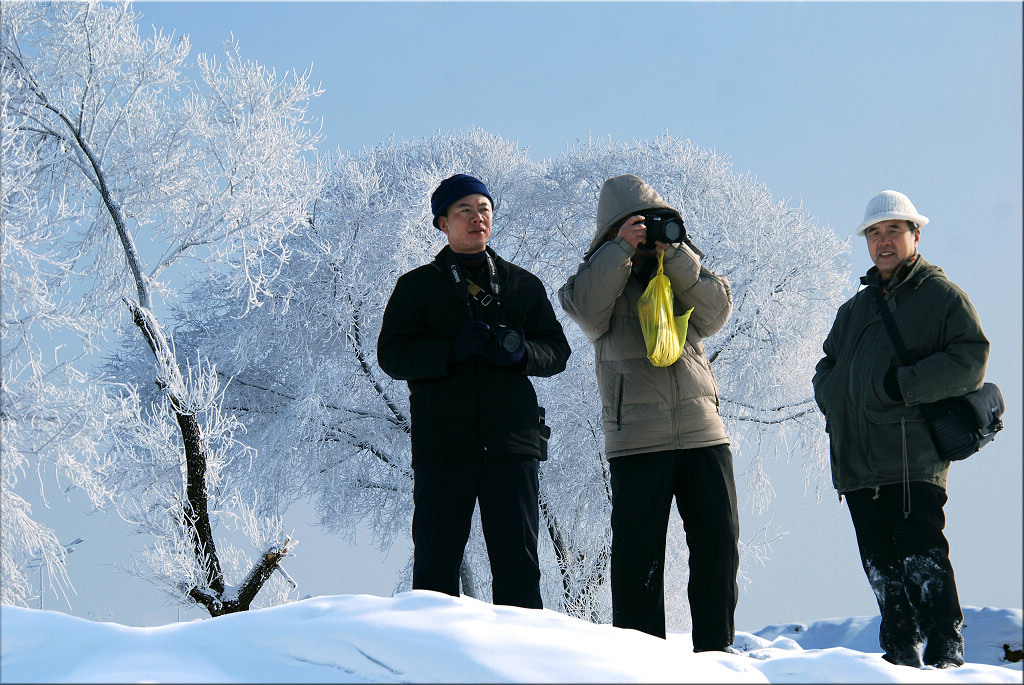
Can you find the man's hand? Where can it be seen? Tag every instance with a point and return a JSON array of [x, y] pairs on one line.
[[634, 232], [891, 383], [472, 339]]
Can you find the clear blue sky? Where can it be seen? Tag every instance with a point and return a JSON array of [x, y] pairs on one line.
[[825, 103]]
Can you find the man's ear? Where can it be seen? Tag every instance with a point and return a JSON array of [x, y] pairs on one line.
[[442, 223]]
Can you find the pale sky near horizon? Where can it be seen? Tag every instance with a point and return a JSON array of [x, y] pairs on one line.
[[825, 103]]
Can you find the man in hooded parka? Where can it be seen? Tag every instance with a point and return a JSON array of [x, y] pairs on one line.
[[663, 433]]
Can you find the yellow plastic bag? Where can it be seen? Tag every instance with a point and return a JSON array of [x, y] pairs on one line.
[[664, 333]]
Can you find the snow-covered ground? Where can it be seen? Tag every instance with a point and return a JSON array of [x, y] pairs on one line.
[[427, 637]]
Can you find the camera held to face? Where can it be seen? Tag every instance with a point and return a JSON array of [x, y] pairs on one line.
[[663, 226]]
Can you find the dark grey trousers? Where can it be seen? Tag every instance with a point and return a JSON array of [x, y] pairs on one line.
[[445, 494], [643, 485], [906, 560]]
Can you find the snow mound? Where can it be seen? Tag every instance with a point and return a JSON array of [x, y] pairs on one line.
[[428, 637]]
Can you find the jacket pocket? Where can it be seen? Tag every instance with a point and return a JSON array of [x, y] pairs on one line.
[[612, 389], [887, 427]]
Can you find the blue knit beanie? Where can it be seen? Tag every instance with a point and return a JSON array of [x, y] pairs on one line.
[[455, 188]]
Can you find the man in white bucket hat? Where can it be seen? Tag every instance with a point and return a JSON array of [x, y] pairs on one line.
[[894, 215], [883, 458]]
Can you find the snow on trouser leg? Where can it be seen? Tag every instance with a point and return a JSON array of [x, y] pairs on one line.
[[898, 634], [875, 512], [932, 589], [928, 575]]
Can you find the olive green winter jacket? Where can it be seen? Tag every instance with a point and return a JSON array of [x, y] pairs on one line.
[[868, 429], [647, 408]]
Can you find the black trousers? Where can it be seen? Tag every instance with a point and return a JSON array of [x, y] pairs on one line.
[[445, 493], [643, 485], [906, 560]]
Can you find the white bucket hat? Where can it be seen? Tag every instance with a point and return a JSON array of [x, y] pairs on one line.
[[889, 204]]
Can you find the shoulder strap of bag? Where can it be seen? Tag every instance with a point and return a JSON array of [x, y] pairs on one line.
[[890, 325], [986, 403]]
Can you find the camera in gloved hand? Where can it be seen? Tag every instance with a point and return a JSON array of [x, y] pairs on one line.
[[506, 347], [507, 339], [500, 345], [663, 226]]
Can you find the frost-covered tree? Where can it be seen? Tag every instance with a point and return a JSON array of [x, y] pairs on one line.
[[315, 393], [47, 414], [303, 366], [122, 179]]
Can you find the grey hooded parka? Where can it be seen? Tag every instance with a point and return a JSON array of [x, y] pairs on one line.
[[647, 408]]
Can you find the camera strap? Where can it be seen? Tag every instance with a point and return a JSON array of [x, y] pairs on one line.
[[468, 288], [479, 294]]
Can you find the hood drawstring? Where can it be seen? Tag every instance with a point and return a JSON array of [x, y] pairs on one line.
[[906, 470]]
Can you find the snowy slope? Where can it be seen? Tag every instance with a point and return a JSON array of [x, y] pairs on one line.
[[427, 637]]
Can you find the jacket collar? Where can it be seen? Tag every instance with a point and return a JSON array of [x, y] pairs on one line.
[[913, 270], [441, 258]]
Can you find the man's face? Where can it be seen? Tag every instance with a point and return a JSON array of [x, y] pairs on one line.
[[467, 223], [890, 243]]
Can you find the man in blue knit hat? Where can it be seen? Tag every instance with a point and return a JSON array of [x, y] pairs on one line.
[[466, 332]]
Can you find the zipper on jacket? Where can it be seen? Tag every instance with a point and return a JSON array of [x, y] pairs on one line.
[[676, 407], [906, 470], [618, 404]]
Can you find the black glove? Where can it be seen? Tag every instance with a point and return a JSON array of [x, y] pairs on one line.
[[498, 352], [472, 339], [891, 383]]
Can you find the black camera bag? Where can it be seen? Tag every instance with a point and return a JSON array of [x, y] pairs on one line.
[[960, 426]]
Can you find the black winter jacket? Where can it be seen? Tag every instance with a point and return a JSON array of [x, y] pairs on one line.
[[474, 408]]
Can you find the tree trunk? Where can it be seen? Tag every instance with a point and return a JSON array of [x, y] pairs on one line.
[[73, 128], [195, 512], [576, 596]]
